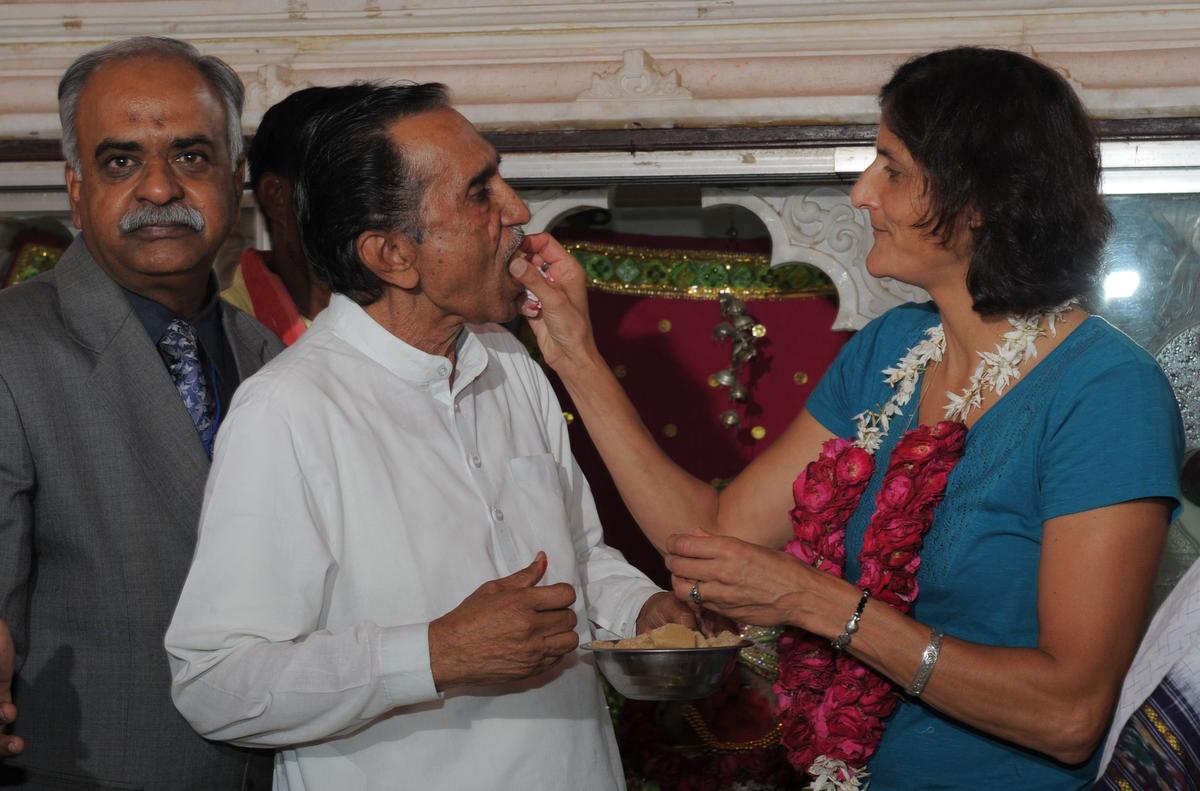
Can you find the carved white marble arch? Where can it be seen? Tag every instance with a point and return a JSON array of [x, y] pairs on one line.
[[550, 206], [815, 224]]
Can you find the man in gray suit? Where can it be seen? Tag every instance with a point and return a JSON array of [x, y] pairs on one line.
[[115, 369]]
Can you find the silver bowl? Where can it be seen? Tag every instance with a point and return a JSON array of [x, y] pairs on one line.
[[666, 673]]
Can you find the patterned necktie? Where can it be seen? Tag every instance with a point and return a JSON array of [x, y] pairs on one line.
[[182, 354]]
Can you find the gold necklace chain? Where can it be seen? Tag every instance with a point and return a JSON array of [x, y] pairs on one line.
[[692, 716]]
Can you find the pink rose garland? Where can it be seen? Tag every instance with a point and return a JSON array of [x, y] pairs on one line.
[[831, 704]]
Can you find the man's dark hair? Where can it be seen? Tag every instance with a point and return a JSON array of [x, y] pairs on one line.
[[351, 178], [275, 147], [1004, 140]]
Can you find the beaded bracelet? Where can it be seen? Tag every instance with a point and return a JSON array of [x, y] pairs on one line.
[[840, 642], [928, 659]]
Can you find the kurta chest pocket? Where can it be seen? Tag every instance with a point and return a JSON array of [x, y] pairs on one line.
[[540, 518]]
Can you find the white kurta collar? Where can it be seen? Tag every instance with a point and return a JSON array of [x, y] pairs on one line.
[[350, 322]]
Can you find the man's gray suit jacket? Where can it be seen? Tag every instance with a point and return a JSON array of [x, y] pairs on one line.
[[101, 481]]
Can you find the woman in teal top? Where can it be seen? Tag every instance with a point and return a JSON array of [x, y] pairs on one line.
[[1093, 424], [991, 654]]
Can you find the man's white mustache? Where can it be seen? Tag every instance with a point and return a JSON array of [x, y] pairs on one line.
[[169, 214], [518, 236]]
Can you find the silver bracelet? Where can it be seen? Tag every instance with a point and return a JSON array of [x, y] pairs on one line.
[[928, 660], [840, 642]]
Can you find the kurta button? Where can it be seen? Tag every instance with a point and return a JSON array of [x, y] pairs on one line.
[[478, 462], [443, 370], [496, 512]]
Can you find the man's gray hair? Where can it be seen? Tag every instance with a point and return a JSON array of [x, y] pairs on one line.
[[220, 76]]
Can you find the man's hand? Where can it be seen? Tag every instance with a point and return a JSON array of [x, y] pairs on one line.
[[663, 608], [507, 629], [9, 745]]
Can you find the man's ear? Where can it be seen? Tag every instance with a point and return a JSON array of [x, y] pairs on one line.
[[391, 256], [274, 195], [74, 183]]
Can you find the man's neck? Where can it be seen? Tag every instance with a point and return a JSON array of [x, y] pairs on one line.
[[308, 292], [183, 295], [417, 323]]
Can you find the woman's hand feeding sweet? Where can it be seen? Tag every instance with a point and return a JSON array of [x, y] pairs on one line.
[[558, 312]]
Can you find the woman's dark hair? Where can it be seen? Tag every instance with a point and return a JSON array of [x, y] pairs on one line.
[[352, 178], [1010, 156]]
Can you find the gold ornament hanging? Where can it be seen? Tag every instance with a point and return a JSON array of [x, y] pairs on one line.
[[743, 332]]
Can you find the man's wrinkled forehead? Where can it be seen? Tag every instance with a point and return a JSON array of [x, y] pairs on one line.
[[443, 142], [152, 93]]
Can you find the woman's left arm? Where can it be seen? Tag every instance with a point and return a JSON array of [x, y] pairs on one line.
[[1094, 583]]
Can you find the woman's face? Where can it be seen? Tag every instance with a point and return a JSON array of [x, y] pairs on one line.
[[893, 189]]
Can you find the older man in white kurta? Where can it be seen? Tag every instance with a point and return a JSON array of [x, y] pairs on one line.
[[356, 496], [362, 594]]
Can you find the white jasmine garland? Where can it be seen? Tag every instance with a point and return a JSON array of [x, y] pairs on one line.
[[831, 774], [997, 371]]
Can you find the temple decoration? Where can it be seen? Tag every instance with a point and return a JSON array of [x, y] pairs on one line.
[[28, 248], [638, 79], [547, 207], [728, 278], [743, 332], [32, 260], [819, 225], [696, 274], [270, 85]]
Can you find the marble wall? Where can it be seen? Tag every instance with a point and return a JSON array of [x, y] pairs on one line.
[[587, 64]]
